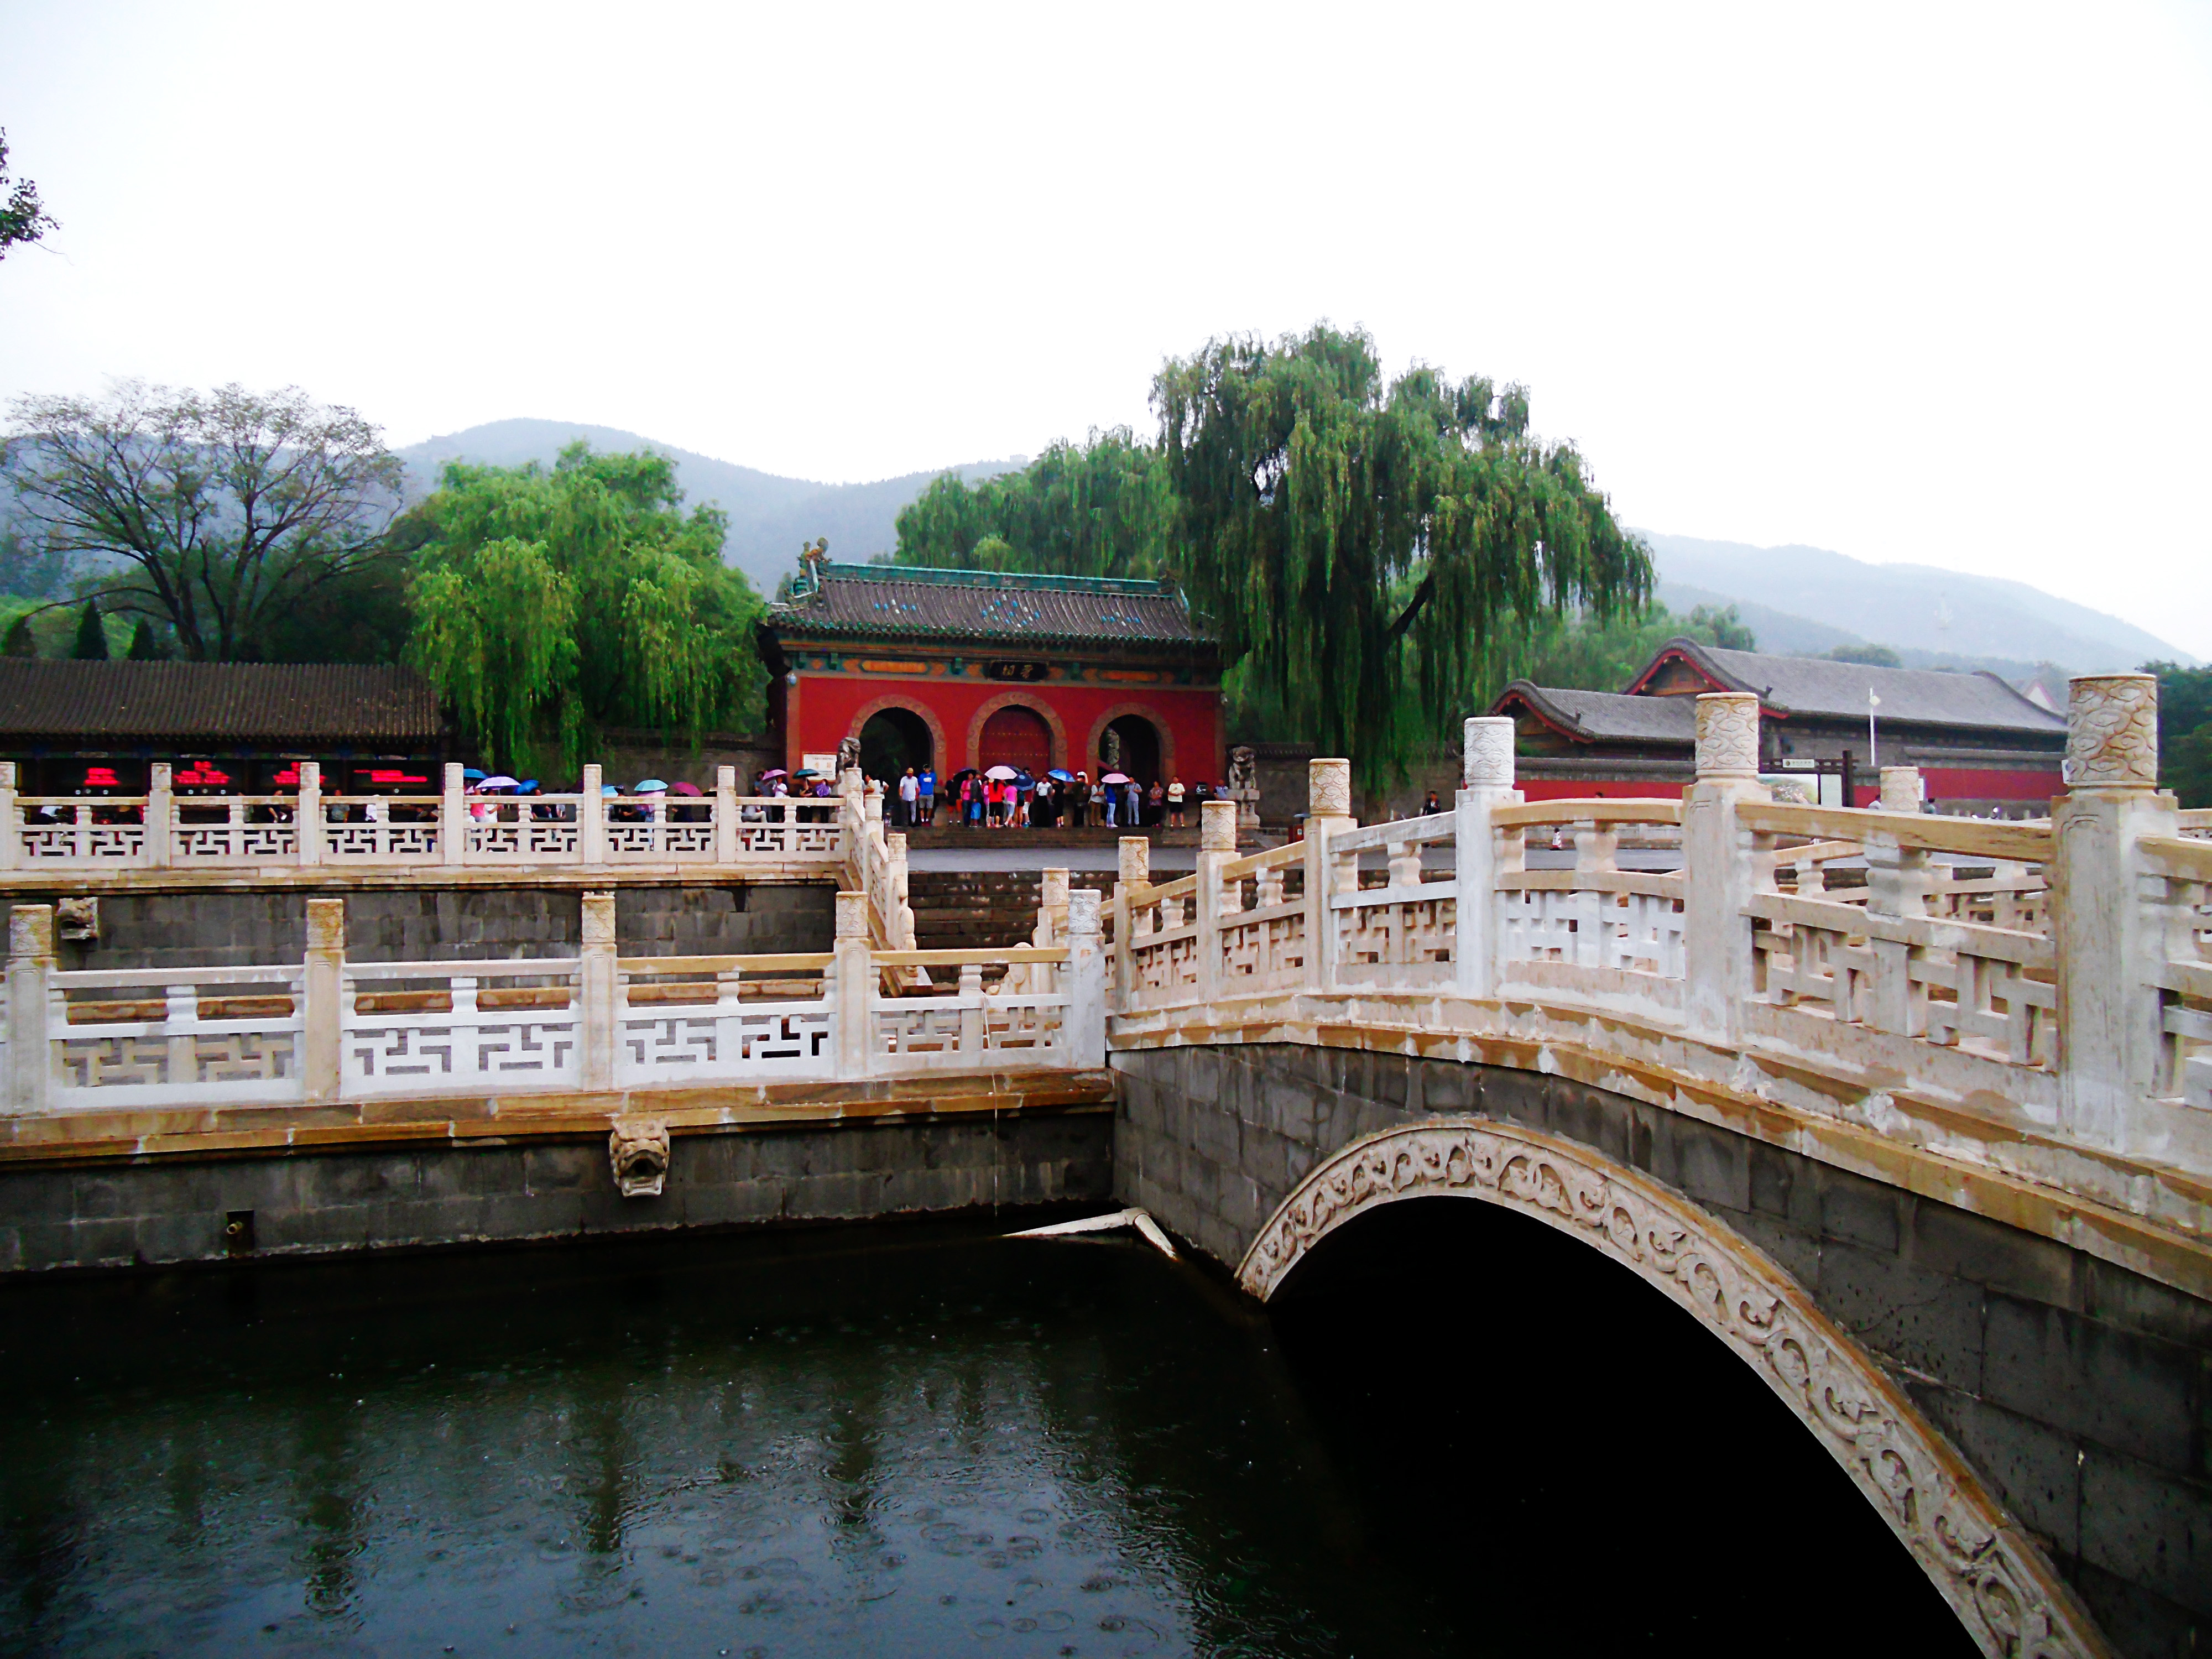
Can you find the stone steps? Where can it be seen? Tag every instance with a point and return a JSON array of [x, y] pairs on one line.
[[979, 909]]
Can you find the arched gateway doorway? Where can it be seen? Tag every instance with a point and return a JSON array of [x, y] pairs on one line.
[[1132, 744], [1993, 1577], [893, 740], [1017, 737]]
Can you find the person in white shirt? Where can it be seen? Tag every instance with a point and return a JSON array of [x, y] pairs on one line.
[[910, 792]]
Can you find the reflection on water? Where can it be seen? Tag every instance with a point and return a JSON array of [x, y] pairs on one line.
[[917, 1439]]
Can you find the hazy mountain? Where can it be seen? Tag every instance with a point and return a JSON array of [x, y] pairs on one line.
[[769, 516], [1932, 617]]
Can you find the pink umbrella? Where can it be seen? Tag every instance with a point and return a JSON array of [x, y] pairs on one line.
[[1114, 777]]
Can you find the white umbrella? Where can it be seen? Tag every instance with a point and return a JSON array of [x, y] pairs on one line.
[[1002, 773]]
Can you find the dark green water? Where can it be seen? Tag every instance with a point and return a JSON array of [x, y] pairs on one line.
[[914, 1439]]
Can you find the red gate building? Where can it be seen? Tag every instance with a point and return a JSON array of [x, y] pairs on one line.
[[951, 669]]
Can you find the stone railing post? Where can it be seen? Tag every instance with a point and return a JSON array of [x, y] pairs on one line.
[[898, 925], [1217, 845], [1086, 983], [1052, 909], [970, 991], [1486, 782], [852, 987], [600, 985], [30, 988], [1719, 866], [322, 1001], [592, 819], [160, 817], [1328, 812], [1135, 872], [726, 815], [2109, 947], [453, 817], [1901, 789], [306, 814], [1899, 881], [11, 820]]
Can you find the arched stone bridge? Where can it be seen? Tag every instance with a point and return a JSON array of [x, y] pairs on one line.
[[1915, 1113]]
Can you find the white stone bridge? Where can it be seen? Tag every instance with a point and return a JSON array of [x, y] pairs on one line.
[[1914, 1113]]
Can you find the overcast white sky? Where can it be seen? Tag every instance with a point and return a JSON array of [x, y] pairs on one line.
[[1924, 282]]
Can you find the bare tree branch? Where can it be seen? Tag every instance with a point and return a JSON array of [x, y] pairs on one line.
[[229, 508]]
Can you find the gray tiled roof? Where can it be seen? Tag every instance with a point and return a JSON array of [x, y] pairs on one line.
[[51, 700], [1814, 685], [1608, 716], [915, 602]]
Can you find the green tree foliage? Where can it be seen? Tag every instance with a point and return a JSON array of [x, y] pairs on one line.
[[22, 640], [146, 643], [1100, 508], [91, 642], [23, 216], [1352, 540], [222, 515], [550, 602], [1722, 625], [2185, 731], [1871, 656]]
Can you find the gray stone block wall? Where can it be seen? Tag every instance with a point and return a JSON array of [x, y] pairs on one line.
[[178, 1210], [248, 929], [2082, 1392]]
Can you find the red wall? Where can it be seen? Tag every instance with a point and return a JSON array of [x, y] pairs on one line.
[[823, 709]]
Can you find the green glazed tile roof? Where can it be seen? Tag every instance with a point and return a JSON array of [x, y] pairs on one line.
[[913, 601]]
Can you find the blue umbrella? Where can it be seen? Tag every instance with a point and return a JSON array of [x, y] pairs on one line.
[[1058, 776], [608, 789], [470, 774], [646, 786]]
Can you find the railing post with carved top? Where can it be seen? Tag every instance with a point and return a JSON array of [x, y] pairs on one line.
[[598, 988], [307, 816], [2109, 947], [1084, 980], [1719, 866], [1901, 789], [453, 817], [1135, 873], [30, 980], [160, 817], [1217, 845], [1328, 812], [11, 820], [852, 978], [322, 1000], [726, 815], [1898, 880], [1486, 775], [591, 820]]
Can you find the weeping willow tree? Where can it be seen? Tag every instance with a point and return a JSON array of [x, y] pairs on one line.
[[1365, 551], [1099, 508], [549, 603]]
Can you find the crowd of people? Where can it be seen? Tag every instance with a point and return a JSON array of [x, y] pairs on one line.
[[1011, 797]]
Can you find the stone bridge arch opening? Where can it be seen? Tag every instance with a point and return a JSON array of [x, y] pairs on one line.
[[1389, 1197]]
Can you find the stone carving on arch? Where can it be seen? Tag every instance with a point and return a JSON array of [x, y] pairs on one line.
[[875, 706], [1144, 711], [1036, 705], [1984, 1565]]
